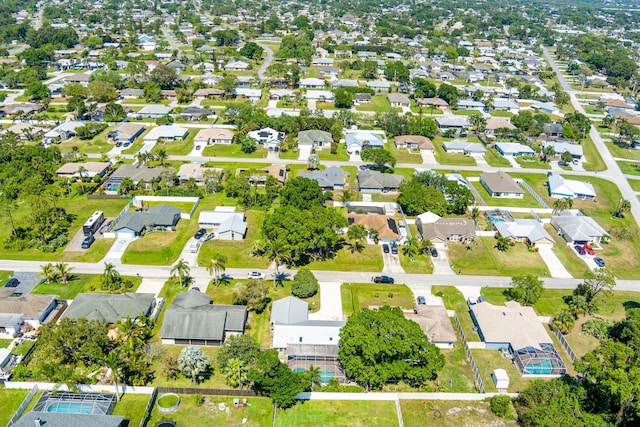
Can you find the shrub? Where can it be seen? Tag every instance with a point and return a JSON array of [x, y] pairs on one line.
[[500, 406], [597, 328], [305, 284]]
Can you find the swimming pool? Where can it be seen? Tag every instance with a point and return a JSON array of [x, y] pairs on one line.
[[70, 408]]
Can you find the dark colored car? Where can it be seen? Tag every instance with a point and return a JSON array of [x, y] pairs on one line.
[[12, 283], [385, 248], [421, 300], [580, 250], [434, 253], [394, 249], [599, 261], [199, 233], [382, 279], [87, 242]]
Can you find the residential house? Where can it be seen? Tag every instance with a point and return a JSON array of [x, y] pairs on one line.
[[445, 230], [499, 184], [372, 181], [517, 332], [553, 130], [577, 229], [322, 62], [470, 104], [514, 149], [154, 111], [357, 141], [453, 122], [278, 94], [195, 171], [252, 94], [159, 217], [398, 100], [503, 104], [445, 76], [268, 137], [127, 132], [312, 83], [110, 308], [436, 324], [315, 139], [528, 231], [319, 95], [236, 66], [80, 78], [291, 325], [196, 113], [24, 108], [345, 83], [413, 142], [546, 107], [130, 93], [260, 177], [214, 136], [208, 93], [435, 102], [464, 147], [379, 85], [386, 226], [329, 179], [17, 309], [560, 147], [364, 55], [362, 98], [166, 133], [193, 319], [89, 169], [135, 173], [63, 131], [494, 123]]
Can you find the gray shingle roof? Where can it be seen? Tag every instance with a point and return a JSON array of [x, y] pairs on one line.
[[377, 180], [108, 307], [331, 177], [159, 216], [308, 137], [289, 310]]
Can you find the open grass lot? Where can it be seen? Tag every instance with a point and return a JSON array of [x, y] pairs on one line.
[[526, 202], [233, 150], [418, 264], [359, 413], [457, 375], [463, 112], [488, 360], [635, 184], [131, 406], [289, 154], [177, 148], [493, 158], [594, 160], [5, 343], [622, 153], [404, 155], [233, 166], [81, 283], [95, 253], [191, 413], [483, 259], [453, 159], [238, 252], [450, 413], [160, 247], [369, 259], [454, 300], [78, 205], [378, 104], [11, 400], [532, 162], [22, 349], [295, 169], [357, 296], [501, 113], [215, 380], [341, 154], [629, 168]]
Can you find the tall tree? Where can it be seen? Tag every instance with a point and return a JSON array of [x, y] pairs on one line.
[[182, 269], [193, 363], [525, 289], [273, 378], [217, 265]]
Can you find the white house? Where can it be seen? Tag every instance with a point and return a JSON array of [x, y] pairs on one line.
[[312, 83], [269, 137], [560, 188], [357, 141], [166, 133]]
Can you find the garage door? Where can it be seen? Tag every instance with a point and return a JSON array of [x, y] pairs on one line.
[[125, 235]]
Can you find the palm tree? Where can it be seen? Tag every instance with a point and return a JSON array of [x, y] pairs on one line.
[[258, 247], [355, 245], [129, 332], [235, 373], [373, 234], [182, 269], [81, 172], [346, 196], [564, 321], [562, 204], [48, 271], [411, 247], [425, 245], [475, 214], [276, 253], [623, 206], [64, 272], [217, 266], [110, 276], [315, 375], [161, 156], [114, 361]]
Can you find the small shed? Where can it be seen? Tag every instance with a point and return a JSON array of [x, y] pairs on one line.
[[500, 379]]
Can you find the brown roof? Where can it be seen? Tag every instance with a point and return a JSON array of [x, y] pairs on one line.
[[630, 118], [494, 123], [617, 103], [386, 225], [91, 167], [209, 92], [31, 306], [444, 228], [422, 141], [438, 102], [500, 182], [213, 133], [434, 321], [128, 129]]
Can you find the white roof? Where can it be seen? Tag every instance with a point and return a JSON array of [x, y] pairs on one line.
[[311, 81], [155, 110], [318, 332], [234, 223], [428, 218], [558, 185], [560, 147], [514, 147], [249, 93], [218, 217], [500, 374], [165, 132]]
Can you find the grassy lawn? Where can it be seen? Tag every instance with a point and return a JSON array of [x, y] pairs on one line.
[[635, 184], [5, 276], [464, 112], [177, 148], [488, 360], [501, 113], [160, 247], [357, 296], [238, 252], [457, 375], [22, 349], [191, 412], [338, 413], [494, 159], [341, 154], [140, 101], [629, 168], [404, 155], [81, 283], [418, 264], [454, 300], [532, 162], [233, 150], [623, 153], [526, 202], [453, 159], [11, 400], [369, 259], [484, 260], [95, 253], [450, 413], [594, 160], [378, 104], [289, 154], [131, 406], [5, 343]]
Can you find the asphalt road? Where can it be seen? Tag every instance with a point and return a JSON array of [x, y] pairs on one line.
[[267, 61]]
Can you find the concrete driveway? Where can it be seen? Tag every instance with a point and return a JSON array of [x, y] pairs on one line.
[[305, 152], [441, 264], [391, 263], [469, 291], [428, 158], [330, 302], [117, 250], [553, 263]]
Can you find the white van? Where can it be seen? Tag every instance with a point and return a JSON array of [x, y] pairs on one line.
[[195, 246]]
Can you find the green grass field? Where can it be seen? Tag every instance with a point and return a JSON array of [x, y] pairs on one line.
[[453, 159], [369, 259], [357, 296], [594, 160], [450, 413], [378, 104], [11, 400], [341, 413], [160, 247], [233, 150], [493, 158], [526, 202], [81, 283], [629, 168]]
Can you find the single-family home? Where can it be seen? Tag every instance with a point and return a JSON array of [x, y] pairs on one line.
[[560, 147], [332, 178], [154, 111], [499, 184], [386, 226], [518, 333], [79, 78], [461, 146], [528, 231], [578, 229], [291, 325], [315, 139], [193, 319], [319, 95], [435, 102], [357, 141], [259, 177], [553, 130], [560, 188], [159, 217], [65, 130], [445, 230], [208, 93], [135, 173], [17, 308], [398, 100], [195, 171], [166, 133], [196, 113], [236, 66], [312, 83], [494, 123], [505, 104], [345, 83], [110, 308], [435, 323], [546, 107], [379, 85], [214, 136], [24, 108], [514, 149], [372, 181], [365, 54], [278, 94], [470, 104], [453, 122], [362, 98], [127, 132], [131, 93], [322, 62], [252, 94], [268, 137], [413, 142], [86, 169]]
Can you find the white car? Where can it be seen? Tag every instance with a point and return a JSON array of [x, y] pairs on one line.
[[256, 275]]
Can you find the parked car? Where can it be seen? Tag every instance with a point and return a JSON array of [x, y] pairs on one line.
[[119, 144], [382, 279], [208, 236], [394, 249], [256, 275], [580, 250], [385, 248], [87, 242], [195, 246], [434, 253], [599, 261], [588, 249], [421, 300], [472, 301], [198, 147], [200, 233], [12, 283]]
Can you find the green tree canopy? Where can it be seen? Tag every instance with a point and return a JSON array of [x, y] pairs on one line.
[[304, 284], [273, 378], [416, 199], [525, 289], [301, 193]]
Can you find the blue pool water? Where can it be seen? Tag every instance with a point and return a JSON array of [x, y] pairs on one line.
[[325, 374], [70, 408]]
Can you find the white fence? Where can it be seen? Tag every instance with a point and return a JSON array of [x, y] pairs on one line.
[[99, 388]]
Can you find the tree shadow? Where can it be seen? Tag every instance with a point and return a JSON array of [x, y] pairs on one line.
[[628, 305]]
